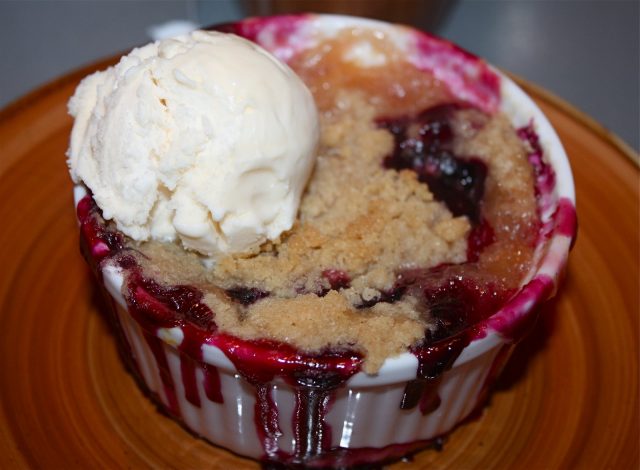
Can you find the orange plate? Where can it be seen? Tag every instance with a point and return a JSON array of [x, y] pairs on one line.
[[569, 397]]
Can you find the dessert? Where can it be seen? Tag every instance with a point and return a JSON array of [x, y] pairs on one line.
[[428, 229], [181, 141]]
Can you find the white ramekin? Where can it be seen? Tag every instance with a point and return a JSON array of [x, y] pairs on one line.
[[364, 416]]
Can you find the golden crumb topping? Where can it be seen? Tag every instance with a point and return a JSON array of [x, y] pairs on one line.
[[361, 224]]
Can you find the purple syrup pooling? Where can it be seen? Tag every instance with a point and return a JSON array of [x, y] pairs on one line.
[[424, 144]]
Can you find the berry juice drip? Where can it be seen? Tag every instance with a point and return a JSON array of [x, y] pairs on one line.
[[312, 433], [265, 414], [212, 387], [313, 377], [153, 306], [314, 393], [188, 374], [156, 345], [433, 361], [156, 306]]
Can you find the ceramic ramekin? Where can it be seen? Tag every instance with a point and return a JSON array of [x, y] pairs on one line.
[[361, 420]]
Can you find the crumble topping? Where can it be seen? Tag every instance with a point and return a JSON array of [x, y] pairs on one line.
[[355, 217], [364, 223]]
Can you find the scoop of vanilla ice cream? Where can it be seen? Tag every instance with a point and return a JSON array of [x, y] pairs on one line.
[[205, 138]]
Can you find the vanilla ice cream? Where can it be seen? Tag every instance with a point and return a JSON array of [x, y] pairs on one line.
[[204, 138]]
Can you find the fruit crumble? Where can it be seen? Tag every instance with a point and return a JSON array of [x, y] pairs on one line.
[[419, 219]]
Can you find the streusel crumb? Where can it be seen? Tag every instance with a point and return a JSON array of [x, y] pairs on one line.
[[329, 282], [356, 217]]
